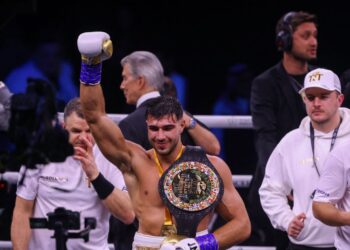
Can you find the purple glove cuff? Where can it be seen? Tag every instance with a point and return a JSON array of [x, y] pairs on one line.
[[90, 74], [207, 242]]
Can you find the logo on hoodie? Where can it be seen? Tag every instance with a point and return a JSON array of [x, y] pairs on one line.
[[322, 194]]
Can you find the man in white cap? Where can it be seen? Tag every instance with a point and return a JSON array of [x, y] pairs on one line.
[[296, 163]]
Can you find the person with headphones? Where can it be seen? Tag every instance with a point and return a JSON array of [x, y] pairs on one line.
[[276, 106]]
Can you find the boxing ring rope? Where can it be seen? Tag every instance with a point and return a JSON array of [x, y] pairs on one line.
[[240, 181], [211, 121]]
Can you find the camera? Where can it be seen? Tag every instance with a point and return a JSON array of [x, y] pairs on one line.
[[67, 218], [30, 124], [62, 220]]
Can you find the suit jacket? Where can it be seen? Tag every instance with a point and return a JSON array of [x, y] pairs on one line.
[[276, 108], [134, 128]]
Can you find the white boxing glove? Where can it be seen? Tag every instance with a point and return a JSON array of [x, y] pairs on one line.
[[95, 47], [187, 244]]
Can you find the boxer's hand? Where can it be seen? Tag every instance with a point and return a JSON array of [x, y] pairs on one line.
[[94, 47], [187, 244]]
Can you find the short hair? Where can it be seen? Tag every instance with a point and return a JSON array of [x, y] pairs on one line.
[[74, 105], [146, 64], [294, 19], [164, 106]]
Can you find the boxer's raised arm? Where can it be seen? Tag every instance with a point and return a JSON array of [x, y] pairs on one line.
[[95, 47]]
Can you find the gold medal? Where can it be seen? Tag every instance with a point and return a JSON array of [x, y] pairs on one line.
[[168, 230]]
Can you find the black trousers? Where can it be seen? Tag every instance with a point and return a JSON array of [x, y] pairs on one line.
[[293, 246]]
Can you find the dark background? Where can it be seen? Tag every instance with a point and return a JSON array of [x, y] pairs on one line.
[[202, 39]]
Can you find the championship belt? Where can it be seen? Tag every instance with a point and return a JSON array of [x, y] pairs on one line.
[[191, 188]]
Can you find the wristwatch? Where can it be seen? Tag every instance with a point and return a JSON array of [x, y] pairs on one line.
[[192, 124]]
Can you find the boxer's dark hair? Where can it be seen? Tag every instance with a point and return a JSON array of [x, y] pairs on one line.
[[163, 106]]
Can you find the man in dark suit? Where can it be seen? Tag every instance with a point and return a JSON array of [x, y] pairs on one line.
[[276, 106], [345, 85], [142, 79]]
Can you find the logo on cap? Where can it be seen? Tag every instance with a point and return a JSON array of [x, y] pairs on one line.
[[315, 76], [321, 78]]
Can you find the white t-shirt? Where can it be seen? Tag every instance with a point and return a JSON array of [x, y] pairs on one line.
[[66, 185], [334, 187]]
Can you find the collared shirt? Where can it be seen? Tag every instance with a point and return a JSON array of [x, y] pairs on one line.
[[147, 96]]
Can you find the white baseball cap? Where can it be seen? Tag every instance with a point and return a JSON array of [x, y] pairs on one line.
[[321, 78]]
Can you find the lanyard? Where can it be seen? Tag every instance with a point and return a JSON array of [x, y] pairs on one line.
[[312, 139], [168, 219]]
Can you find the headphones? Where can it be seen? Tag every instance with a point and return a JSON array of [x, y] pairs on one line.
[[284, 37]]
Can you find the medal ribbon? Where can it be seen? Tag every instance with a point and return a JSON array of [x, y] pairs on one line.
[[168, 218]]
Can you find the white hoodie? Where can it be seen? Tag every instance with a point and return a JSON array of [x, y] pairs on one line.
[[290, 167]]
